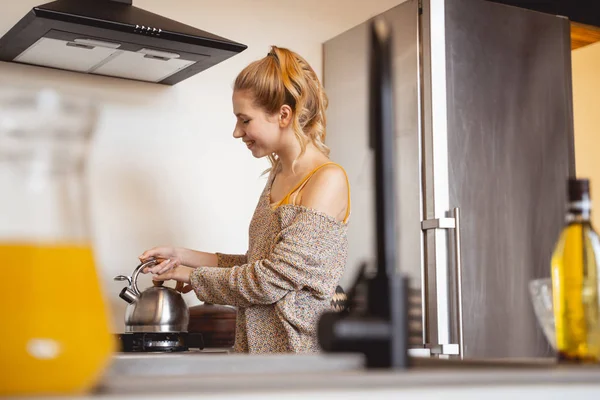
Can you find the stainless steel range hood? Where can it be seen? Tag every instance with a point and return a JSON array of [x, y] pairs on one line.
[[113, 38]]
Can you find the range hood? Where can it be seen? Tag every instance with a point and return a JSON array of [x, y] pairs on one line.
[[113, 38]]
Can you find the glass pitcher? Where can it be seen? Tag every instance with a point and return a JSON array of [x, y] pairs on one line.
[[55, 336]]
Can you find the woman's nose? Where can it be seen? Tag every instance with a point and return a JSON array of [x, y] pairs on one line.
[[237, 133]]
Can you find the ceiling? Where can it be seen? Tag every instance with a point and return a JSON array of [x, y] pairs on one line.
[[583, 14], [581, 11]]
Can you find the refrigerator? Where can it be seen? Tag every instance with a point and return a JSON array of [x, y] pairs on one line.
[[484, 147]]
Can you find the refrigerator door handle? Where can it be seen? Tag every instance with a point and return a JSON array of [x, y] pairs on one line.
[[458, 272], [451, 223]]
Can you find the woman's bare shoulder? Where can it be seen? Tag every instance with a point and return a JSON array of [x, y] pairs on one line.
[[327, 191]]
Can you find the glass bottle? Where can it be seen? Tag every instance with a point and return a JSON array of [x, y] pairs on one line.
[[575, 280], [55, 336]]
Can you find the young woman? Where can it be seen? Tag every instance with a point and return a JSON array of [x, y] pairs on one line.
[[297, 237]]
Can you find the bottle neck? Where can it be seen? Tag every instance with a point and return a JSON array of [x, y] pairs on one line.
[[579, 211]]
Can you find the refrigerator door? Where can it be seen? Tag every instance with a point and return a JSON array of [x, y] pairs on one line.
[[346, 78], [506, 138]]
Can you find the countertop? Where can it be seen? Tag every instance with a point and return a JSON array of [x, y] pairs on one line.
[[228, 376]]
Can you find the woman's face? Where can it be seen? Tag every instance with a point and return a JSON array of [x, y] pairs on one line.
[[259, 131]]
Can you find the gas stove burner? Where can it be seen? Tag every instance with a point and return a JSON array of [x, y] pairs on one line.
[[160, 341]]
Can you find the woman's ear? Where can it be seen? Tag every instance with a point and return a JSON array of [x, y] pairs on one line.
[[285, 116]]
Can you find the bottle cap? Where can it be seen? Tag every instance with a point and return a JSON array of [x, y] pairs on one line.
[[579, 189]]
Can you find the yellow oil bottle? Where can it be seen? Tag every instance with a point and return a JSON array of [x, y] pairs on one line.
[[575, 280]]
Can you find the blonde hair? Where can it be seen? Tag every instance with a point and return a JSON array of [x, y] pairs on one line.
[[283, 77]]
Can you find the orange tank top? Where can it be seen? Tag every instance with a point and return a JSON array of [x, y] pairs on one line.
[[304, 181]]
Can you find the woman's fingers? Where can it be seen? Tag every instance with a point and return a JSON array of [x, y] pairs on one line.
[[163, 277], [157, 252], [180, 274], [148, 254], [165, 257], [157, 267], [168, 265]]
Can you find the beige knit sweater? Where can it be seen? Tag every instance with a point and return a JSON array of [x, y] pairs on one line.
[[285, 281]]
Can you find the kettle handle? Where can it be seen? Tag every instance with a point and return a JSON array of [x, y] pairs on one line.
[[137, 271]]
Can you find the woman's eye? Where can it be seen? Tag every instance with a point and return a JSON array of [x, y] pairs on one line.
[[246, 121]]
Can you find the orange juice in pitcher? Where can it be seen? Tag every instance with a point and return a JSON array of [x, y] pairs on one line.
[[56, 337]]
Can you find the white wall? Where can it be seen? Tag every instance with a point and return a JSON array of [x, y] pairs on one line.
[[586, 106], [165, 169]]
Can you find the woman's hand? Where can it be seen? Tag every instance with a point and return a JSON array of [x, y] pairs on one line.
[[179, 274], [167, 258]]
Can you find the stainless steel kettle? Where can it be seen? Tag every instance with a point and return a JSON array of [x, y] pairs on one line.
[[156, 309]]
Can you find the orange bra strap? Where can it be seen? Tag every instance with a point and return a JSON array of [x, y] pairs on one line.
[[348, 209], [347, 183], [301, 184]]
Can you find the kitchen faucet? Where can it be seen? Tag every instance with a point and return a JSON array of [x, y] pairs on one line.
[[375, 322]]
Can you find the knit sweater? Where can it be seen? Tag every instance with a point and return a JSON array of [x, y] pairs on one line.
[[285, 281]]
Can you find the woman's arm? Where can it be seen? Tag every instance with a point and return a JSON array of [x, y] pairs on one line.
[[230, 260], [195, 258], [172, 257], [296, 262]]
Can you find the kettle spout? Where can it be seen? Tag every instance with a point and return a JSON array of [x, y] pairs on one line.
[[127, 294]]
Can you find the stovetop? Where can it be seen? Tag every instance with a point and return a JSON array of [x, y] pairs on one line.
[[163, 342]]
